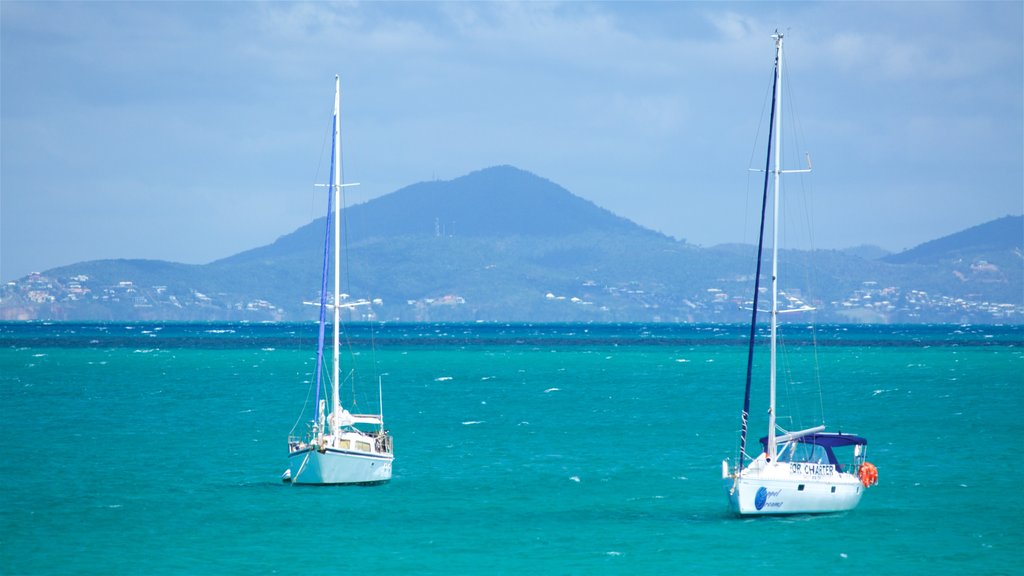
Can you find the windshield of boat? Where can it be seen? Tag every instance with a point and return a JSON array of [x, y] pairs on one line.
[[805, 452]]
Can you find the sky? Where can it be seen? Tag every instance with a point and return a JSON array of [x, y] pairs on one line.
[[190, 131]]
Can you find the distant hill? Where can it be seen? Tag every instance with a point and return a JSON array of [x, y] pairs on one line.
[[502, 244], [501, 201], [985, 261], [1004, 235], [490, 237], [494, 202]]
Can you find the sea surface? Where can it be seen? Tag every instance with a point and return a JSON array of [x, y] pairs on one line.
[[537, 449]]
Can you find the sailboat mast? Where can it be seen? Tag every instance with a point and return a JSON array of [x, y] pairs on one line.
[[745, 415], [335, 190], [775, 243]]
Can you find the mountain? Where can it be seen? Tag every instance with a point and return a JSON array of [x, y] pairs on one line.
[[1004, 235], [502, 244], [496, 238], [497, 202], [983, 261]]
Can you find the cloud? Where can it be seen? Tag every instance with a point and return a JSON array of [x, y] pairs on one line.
[[733, 26]]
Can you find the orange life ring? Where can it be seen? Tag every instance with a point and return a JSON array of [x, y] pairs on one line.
[[868, 474]]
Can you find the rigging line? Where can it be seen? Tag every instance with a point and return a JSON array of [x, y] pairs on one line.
[[373, 351], [324, 272], [817, 367], [352, 384], [314, 249], [805, 199], [313, 212], [810, 271], [790, 368], [344, 331], [795, 132], [296, 339], [305, 403], [348, 271], [324, 388], [750, 162], [344, 208], [344, 231], [811, 281], [345, 239], [784, 377], [745, 415]]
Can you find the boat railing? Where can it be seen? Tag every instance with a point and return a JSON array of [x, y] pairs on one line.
[[384, 443], [297, 443]]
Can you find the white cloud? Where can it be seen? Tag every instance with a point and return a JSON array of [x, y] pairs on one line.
[[733, 26]]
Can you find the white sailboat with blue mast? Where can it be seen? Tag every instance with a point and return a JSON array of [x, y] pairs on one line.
[[798, 472], [338, 447]]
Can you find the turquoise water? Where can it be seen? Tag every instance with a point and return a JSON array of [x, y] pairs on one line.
[[552, 449]]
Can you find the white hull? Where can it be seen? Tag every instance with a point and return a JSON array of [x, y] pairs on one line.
[[791, 488], [310, 466]]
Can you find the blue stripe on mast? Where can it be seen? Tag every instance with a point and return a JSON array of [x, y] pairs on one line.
[[757, 276], [323, 279]]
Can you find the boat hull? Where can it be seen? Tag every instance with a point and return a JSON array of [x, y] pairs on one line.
[[780, 489], [330, 466]]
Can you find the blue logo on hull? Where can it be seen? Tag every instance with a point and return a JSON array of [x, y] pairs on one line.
[[761, 498]]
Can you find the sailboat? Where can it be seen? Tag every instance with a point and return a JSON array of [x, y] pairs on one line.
[[797, 472], [338, 447]]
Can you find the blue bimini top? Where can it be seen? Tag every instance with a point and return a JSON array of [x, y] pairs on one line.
[[826, 440]]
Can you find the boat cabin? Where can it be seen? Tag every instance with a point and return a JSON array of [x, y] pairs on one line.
[[818, 448]]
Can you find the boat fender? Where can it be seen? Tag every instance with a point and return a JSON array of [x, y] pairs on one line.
[[868, 474]]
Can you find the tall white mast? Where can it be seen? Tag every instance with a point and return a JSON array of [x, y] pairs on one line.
[[336, 190], [775, 240]]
